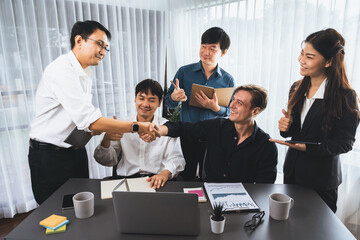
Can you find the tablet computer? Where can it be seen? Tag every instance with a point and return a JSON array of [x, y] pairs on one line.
[[303, 142], [78, 138]]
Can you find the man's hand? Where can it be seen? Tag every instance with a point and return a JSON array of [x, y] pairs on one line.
[[178, 94], [298, 146], [111, 137], [160, 179], [163, 130], [148, 131], [204, 101], [147, 137], [285, 122], [94, 133]]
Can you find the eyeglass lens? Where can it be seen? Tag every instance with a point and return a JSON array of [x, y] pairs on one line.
[[101, 45], [255, 221]]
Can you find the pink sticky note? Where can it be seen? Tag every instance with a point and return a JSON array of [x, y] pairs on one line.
[[200, 193]]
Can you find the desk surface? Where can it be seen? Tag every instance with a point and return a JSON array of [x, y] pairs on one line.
[[309, 219]]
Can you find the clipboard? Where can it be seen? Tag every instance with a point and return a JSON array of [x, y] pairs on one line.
[[78, 138], [223, 94]]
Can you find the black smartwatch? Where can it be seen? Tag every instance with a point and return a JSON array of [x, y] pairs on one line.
[[135, 127]]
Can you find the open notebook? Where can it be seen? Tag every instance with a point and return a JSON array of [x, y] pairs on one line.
[[223, 94], [124, 185]]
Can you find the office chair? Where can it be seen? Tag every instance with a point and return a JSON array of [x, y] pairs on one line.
[[114, 170]]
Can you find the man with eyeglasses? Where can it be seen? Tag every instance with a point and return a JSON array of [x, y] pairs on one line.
[[63, 101]]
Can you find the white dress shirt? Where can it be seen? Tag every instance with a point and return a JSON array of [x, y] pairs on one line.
[[63, 101], [141, 157], [309, 101]]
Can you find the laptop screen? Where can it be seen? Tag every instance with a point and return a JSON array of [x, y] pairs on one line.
[[171, 213]]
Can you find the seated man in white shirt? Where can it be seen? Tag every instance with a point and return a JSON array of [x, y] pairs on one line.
[[162, 159]]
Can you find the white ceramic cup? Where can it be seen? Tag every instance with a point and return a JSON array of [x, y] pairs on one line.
[[280, 205], [83, 204]]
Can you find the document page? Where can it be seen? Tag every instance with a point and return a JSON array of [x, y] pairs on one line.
[[107, 187], [139, 185], [224, 95], [233, 196], [124, 185]]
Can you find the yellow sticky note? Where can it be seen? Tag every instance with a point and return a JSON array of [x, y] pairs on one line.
[[59, 230]]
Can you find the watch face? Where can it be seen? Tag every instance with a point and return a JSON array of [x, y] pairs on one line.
[[135, 127]]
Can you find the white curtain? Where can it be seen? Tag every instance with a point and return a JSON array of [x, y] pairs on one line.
[[266, 38], [34, 33]]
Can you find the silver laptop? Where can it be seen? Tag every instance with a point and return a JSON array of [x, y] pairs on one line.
[[171, 213]]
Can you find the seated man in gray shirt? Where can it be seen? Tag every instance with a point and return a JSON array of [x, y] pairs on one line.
[[162, 159], [237, 149]]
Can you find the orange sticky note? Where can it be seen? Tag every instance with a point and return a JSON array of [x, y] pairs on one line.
[[52, 221]]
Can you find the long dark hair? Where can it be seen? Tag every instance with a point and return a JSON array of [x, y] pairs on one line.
[[330, 44]]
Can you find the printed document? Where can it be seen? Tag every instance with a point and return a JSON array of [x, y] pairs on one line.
[[233, 196]]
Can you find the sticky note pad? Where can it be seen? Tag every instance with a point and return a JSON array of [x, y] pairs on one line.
[[59, 230], [199, 191], [58, 226], [52, 221]]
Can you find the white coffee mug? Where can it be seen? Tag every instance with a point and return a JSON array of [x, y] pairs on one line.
[[83, 204], [280, 205]]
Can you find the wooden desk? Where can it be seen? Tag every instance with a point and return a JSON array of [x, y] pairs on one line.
[[310, 218]]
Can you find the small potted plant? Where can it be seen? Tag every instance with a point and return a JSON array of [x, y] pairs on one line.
[[217, 218]]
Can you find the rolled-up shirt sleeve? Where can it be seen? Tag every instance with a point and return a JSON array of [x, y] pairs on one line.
[[108, 156], [173, 157]]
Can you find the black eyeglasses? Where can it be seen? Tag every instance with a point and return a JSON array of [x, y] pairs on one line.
[[255, 221], [100, 44]]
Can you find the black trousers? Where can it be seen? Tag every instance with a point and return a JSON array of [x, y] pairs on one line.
[[52, 167], [328, 196], [193, 151]]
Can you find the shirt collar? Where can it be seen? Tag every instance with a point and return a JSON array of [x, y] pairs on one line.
[[250, 138], [155, 120], [198, 67], [256, 129], [320, 92], [87, 72]]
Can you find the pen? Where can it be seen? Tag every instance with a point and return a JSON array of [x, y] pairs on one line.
[[172, 82], [117, 186]]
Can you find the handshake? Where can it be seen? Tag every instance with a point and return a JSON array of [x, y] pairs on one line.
[[148, 132]]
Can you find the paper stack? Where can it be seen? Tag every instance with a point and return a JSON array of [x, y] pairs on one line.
[[54, 224]]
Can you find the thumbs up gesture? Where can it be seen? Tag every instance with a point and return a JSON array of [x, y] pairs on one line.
[[178, 93], [285, 122]]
